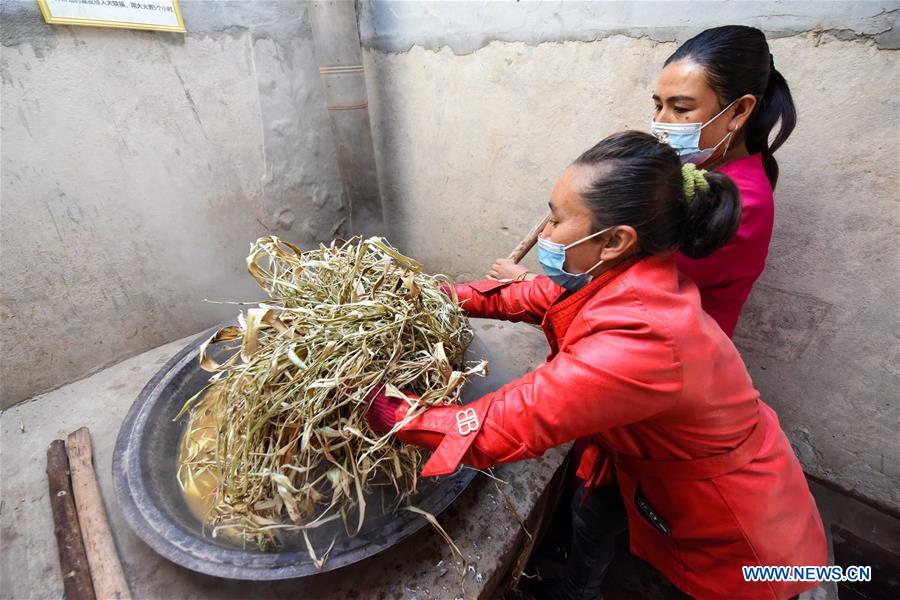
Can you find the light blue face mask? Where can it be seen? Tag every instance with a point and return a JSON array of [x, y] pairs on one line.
[[552, 257], [685, 138]]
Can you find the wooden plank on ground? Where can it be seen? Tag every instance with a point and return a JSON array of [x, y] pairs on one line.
[[106, 570], [73, 563]]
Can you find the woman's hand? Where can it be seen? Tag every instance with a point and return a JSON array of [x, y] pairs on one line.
[[382, 412], [503, 268]]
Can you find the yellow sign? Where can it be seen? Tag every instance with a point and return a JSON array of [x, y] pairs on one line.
[[156, 15]]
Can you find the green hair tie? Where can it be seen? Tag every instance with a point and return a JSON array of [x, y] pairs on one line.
[[693, 179]]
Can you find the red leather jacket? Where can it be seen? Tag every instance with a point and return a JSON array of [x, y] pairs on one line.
[[637, 367]]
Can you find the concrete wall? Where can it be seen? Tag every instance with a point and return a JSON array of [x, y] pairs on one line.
[[138, 167], [478, 107]]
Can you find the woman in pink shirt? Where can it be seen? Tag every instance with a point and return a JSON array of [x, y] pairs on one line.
[[718, 101]]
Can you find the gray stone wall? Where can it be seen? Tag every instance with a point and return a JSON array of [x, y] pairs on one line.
[[138, 167]]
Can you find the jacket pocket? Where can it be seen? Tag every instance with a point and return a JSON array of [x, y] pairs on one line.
[[648, 541], [646, 510]]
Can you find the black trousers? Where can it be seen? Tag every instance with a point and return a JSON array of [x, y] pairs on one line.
[[596, 522], [597, 518]]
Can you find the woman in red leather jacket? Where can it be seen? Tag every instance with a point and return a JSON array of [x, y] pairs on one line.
[[707, 477]]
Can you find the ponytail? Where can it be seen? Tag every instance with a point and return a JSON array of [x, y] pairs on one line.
[[776, 105], [712, 215]]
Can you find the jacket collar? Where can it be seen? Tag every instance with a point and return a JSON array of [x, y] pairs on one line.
[[564, 309]]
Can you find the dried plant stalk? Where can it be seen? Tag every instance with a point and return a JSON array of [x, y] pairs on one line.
[[282, 426]]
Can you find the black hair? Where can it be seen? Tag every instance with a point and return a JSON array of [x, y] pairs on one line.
[[737, 61], [638, 181]]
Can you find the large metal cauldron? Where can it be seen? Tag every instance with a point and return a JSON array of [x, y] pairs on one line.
[[144, 469]]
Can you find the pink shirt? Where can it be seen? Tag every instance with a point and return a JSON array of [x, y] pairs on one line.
[[726, 277]]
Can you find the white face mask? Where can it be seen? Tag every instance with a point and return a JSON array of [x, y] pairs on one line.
[[685, 138]]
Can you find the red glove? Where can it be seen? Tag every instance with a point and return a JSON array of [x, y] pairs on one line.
[[445, 287], [382, 413]]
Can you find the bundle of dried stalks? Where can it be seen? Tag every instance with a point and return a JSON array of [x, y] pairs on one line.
[[281, 427]]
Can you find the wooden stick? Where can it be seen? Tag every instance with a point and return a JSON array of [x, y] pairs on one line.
[[528, 241], [73, 563], [106, 570]]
